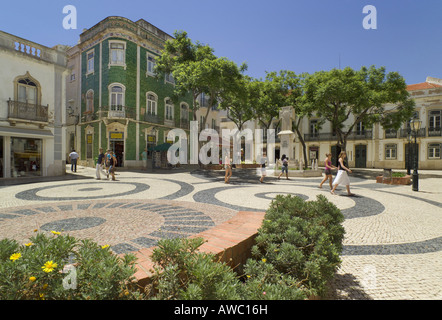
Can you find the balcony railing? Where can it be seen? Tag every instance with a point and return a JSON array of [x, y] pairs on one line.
[[27, 111], [434, 132], [357, 135], [154, 118], [118, 112], [184, 124], [403, 133]]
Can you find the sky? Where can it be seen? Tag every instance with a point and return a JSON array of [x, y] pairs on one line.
[[296, 35]]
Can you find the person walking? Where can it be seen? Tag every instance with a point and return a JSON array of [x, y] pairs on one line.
[[285, 167], [328, 170], [342, 176], [99, 166], [228, 168], [73, 156], [113, 165], [263, 167]]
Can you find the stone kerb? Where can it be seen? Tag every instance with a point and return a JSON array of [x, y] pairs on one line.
[[230, 242]]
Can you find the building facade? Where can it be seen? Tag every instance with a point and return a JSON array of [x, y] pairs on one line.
[[32, 108], [118, 101], [375, 147]]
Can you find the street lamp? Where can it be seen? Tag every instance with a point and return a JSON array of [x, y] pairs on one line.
[[409, 139], [415, 125]]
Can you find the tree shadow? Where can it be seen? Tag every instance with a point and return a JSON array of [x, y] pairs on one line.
[[346, 287]]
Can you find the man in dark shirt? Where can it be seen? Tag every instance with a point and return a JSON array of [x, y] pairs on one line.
[[100, 163]]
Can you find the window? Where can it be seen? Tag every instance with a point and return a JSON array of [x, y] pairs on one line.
[[434, 125], [26, 157], [184, 112], [434, 151], [72, 76], [313, 128], [90, 101], [390, 151], [27, 91], [360, 128], [151, 107], [169, 78], [90, 62], [150, 64], [169, 110], [116, 98], [117, 53]]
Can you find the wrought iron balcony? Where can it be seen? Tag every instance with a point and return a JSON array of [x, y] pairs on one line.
[[329, 136], [118, 112], [405, 132], [27, 111], [434, 132], [154, 118]]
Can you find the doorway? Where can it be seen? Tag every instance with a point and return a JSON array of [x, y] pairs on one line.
[[361, 156], [118, 148]]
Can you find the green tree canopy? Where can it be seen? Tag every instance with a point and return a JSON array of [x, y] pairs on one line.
[[346, 97]]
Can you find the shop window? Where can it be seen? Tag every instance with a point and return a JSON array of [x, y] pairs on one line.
[[26, 155]]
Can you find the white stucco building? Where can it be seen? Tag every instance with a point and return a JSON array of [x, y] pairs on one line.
[[32, 108]]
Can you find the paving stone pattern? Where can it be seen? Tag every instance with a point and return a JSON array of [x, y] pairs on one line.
[[392, 247]]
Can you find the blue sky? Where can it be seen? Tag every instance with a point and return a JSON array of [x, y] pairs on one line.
[[298, 35]]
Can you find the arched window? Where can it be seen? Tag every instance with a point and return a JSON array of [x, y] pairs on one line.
[[90, 101], [151, 107], [27, 90], [168, 109], [184, 112], [116, 100]]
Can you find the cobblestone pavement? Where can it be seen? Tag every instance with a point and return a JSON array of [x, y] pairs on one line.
[[392, 247]]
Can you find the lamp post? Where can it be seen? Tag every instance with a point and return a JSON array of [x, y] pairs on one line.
[[409, 139], [415, 125]]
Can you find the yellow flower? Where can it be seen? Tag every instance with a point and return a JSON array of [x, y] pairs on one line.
[[264, 260], [45, 286], [32, 279], [49, 266], [105, 246], [35, 230], [28, 244], [15, 256], [55, 232], [42, 296], [248, 276]]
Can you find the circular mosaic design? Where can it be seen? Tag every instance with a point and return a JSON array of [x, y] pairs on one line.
[[124, 225], [107, 190], [73, 224]]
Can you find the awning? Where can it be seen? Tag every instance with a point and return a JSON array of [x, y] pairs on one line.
[[23, 132], [160, 147]]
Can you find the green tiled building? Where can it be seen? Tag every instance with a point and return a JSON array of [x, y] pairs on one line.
[[114, 94]]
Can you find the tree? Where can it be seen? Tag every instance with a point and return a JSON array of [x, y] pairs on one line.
[[196, 69], [239, 101], [293, 92], [347, 97]]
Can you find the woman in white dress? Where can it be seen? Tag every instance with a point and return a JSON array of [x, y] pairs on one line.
[[342, 176]]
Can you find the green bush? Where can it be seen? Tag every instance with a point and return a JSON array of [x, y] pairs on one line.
[[64, 268], [184, 273], [302, 240]]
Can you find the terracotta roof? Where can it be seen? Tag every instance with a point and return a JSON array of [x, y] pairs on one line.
[[423, 86]]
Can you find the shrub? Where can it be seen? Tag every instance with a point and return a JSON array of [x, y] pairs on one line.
[[184, 273], [302, 240], [35, 270]]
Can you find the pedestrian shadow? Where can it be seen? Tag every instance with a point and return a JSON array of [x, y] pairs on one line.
[[346, 287]]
